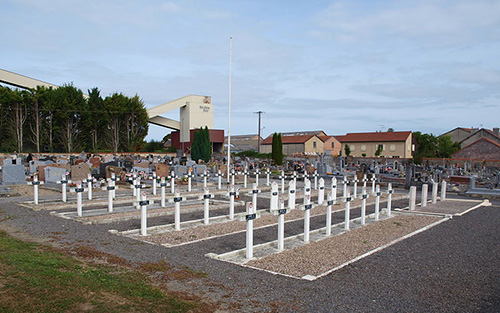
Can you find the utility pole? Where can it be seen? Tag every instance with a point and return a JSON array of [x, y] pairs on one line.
[[258, 133]]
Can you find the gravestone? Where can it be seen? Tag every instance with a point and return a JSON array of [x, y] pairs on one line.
[[80, 171], [109, 158], [62, 161], [41, 170], [180, 170], [190, 163], [13, 174], [128, 163], [142, 167], [110, 169], [16, 161], [199, 169], [162, 169], [34, 164], [103, 166], [53, 174], [95, 161]]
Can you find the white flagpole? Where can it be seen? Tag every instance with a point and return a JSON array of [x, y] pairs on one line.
[[229, 109]]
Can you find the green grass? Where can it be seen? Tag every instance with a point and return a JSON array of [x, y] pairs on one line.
[[36, 278]]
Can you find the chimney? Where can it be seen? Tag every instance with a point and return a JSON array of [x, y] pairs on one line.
[[495, 131]]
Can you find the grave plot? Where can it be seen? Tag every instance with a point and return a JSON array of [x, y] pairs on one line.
[[336, 246], [194, 231], [448, 208]]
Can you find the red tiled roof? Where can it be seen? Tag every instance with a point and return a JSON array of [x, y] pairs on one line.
[[475, 142], [374, 137], [288, 139]]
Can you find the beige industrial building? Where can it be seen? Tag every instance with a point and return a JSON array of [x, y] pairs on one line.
[[295, 144]]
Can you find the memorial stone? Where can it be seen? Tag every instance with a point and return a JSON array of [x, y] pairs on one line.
[[13, 174], [80, 171], [162, 169], [53, 174]]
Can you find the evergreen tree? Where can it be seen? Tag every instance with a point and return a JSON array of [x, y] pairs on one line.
[[196, 146], [207, 146], [280, 150]]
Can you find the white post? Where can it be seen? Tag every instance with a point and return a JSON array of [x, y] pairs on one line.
[[206, 209], [281, 225], [434, 192], [257, 178], [425, 191], [377, 203], [347, 210], [249, 240], [232, 194], [329, 203], [413, 197], [154, 183], [205, 175], [177, 210], [274, 196], [307, 217], [389, 198], [268, 172], [373, 179], [345, 182], [64, 183], [443, 190], [364, 180], [282, 177], [163, 184], [355, 181], [333, 188], [364, 195], [294, 176], [321, 191], [190, 177], [255, 191], [90, 181], [245, 174], [138, 192], [172, 182], [291, 195], [113, 183], [134, 177], [315, 175], [144, 216], [233, 174], [35, 184], [79, 191], [307, 189], [219, 180]]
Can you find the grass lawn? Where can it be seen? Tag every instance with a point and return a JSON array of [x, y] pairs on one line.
[[38, 278]]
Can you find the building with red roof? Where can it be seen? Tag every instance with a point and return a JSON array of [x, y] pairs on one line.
[[392, 144]]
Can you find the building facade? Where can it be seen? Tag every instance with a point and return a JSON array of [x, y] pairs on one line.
[[390, 144]]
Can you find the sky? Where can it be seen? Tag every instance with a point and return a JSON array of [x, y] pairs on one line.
[[336, 66]]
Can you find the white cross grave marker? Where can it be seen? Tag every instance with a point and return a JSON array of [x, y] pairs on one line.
[[307, 189], [413, 197], [291, 195], [172, 181], [347, 210], [163, 184], [373, 179], [138, 186], [377, 202], [206, 205], [329, 203], [315, 175], [434, 192], [143, 204], [294, 177], [282, 177], [307, 215], [79, 189], [64, 182], [111, 189], [390, 191], [177, 209], [274, 196], [355, 181], [250, 215], [232, 194], [35, 184], [281, 211], [443, 190], [245, 174], [90, 181], [154, 183], [333, 188], [205, 175], [321, 191], [255, 191], [425, 191], [345, 182], [364, 195], [190, 177], [257, 177], [219, 180], [268, 172]]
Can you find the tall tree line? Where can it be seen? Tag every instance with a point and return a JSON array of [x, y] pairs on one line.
[[64, 120]]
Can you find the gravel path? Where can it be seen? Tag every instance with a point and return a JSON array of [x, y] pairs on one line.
[[452, 267]]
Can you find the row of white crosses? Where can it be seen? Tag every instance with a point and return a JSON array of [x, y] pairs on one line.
[[280, 211]]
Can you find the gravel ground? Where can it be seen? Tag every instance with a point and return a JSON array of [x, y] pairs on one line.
[[321, 256], [452, 267]]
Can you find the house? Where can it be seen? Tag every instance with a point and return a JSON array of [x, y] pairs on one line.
[[244, 142], [481, 133], [331, 145], [292, 144], [482, 149], [467, 136], [391, 144]]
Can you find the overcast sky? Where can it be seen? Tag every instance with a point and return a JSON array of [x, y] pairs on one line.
[[337, 66]]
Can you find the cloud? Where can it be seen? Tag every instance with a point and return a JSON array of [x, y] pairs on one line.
[[431, 23]]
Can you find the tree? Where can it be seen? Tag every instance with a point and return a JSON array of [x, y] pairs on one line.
[[70, 103], [196, 146], [95, 120], [135, 123], [379, 150], [277, 149], [347, 150], [446, 147], [114, 106], [207, 146]]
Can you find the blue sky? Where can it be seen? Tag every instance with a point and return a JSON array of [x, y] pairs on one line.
[[337, 66]]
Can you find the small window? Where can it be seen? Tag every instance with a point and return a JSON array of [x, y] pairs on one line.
[[314, 144], [333, 144], [380, 147], [392, 147], [363, 147]]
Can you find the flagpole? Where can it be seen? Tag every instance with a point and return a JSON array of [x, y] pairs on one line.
[[229, 110]]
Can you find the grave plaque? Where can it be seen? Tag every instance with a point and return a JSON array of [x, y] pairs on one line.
[[13, 174], [53, 174], [80, 171], [162, 169]]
